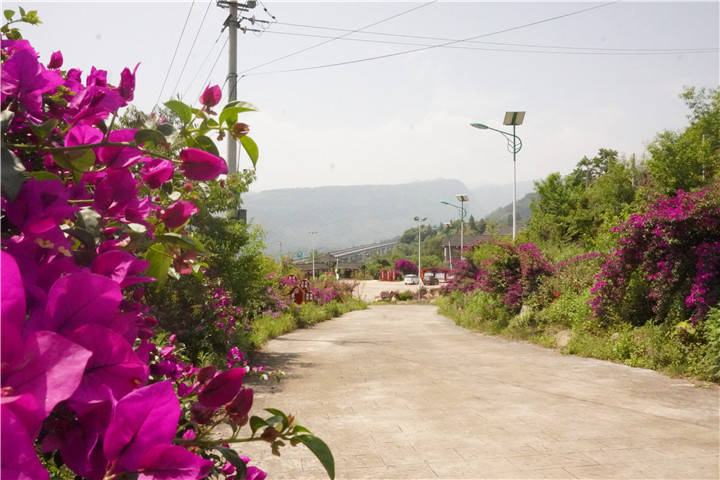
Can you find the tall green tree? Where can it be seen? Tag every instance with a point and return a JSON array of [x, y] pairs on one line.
[[689, 159]]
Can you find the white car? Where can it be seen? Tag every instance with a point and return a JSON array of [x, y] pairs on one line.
[[411, 279]]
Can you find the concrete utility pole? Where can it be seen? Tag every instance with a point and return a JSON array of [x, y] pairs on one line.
[[312, 236], [232, 23], [232, 81]]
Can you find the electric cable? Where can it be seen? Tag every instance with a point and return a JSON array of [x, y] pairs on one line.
[[174, 54], [197, 72], [207, 80], [529, 45], [337, 38], [192, 46], [405, 52], [595, 51]]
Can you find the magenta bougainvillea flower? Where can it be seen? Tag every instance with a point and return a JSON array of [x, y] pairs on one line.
[[211, 96], [222, 389], [201, 165], [122, 267], [38, 373], [177, 213], [113, 371], [27, 79], [81, 298], [56, 60], [239, 408], [114, 192], [157, 171], [172, 462], [120, 157], [17, 452], [142, 419], [40, 205], [127, 83], [83, 135]]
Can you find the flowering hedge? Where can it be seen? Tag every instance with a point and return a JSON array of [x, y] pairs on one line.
[[511, 272], [90, 219], [668, 259]]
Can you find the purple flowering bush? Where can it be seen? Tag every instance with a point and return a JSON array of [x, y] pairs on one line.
[[667, 264], [511, 273], [406, 266], [88, 226]]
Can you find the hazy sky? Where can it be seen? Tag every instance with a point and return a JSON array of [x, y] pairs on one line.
[[405, 118]]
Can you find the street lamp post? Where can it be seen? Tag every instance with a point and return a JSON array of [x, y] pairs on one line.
[[514, 144], [312, 236], [420, 279], [463, 198], [461, 208]]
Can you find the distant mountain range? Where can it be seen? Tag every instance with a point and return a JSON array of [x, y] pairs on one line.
[[346, 216]]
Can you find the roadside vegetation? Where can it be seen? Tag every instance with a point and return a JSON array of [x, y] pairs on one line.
[[620, 260]]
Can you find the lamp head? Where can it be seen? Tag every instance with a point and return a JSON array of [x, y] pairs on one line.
[[479, 125]]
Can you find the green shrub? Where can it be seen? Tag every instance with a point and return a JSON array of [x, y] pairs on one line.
[[405, 295], [569, 310]]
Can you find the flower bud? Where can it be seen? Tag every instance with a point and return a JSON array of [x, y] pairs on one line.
[[240, 129]]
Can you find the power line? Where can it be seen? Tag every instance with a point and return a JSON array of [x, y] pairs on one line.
[[197, 72], [475, 37], [205, 83], [187, 57], [442, 39], [570, 51], [337, 38], [174, 53]]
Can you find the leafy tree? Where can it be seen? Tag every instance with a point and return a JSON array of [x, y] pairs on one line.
[[690, 159]]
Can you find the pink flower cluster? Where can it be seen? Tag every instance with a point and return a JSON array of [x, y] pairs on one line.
[[80, 375], [507, 270], [675, 246]]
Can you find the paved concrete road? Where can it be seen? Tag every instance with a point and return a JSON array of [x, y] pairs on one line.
[[401, 392]]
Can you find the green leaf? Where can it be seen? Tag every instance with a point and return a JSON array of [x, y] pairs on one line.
[[205, 143], [44, 129], [249, 107], [137, 227], [83, 235], [300, 429], [166, 129], [230, 113], [77, 161], [200, 113], [183, 111], [235, 460], [257, 423], [146, 136], [22, 11], [251, 148], [8, 14], [160, 261], [274, 420], [12, 174], [181, 241], [43, 175], [281, 414], [321, 451]]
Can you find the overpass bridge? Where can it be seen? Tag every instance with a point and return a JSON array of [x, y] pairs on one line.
[[351, 258]]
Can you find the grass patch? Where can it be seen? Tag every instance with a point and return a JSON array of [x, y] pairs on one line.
[[267, 327], [679, 350]]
